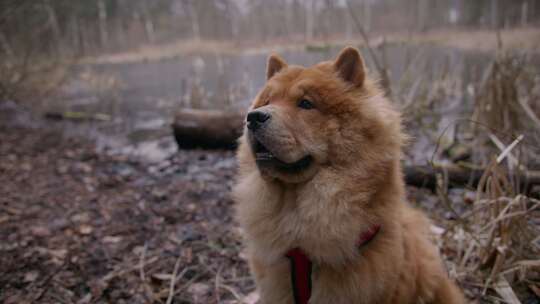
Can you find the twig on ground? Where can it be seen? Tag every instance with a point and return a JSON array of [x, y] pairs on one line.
[[49, 279], [187, 285], [142, 275], [506, 151], [217, 285], [233, 292], [173, 280], [120, 271]]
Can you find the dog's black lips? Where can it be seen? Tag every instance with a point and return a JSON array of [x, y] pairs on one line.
[[263, 156]]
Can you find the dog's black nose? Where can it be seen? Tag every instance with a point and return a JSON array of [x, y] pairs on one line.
[[256, 119]]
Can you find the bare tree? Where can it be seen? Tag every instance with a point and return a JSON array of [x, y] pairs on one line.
[[494, 13], [102, 13], [310, 19], [195, 26]]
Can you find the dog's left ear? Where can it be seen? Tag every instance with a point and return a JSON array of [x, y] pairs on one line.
[[350, 66], [274, 65]]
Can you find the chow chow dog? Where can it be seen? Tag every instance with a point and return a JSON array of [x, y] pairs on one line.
[[320, 193]]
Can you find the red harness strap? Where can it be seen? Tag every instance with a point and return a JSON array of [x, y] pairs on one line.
[[367, 236], [300, 275], [301, 267]]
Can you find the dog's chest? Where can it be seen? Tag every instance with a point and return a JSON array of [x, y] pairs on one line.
[[303, 215], [310, 218]]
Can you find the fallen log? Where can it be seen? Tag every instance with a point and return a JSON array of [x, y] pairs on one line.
[[77, 116], [209, 129], [459, 176], [426, 176]]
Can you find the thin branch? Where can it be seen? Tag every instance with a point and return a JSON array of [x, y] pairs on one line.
[[173, 280], [149, 293]]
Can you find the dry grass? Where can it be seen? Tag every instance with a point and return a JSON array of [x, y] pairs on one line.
[[498, 102], [28, 78], [495, 245], [506, 106], [493, 248]]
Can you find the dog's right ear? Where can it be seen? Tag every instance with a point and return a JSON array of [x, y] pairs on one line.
[[274, 65], [350, 66]]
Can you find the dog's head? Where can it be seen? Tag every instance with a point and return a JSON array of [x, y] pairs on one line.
[[326, 115]]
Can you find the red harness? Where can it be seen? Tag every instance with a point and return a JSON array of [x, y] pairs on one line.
[[301, 267]]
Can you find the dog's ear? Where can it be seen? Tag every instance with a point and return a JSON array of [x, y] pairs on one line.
[[350, 66], [274, 65]]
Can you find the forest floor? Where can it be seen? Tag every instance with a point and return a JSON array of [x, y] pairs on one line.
[[522, 39], [81, 226], [77, 226]]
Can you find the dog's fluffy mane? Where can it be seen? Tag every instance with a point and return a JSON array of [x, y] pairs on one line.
[[359, 184]]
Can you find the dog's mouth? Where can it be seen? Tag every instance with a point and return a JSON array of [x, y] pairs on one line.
[[263, 156]]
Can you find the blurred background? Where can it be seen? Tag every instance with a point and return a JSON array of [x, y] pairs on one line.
[[118, 121]]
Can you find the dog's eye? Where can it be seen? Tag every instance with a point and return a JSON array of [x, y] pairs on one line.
[[306, 104]]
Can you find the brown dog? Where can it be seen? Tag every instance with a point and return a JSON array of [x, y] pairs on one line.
[[320, 193]]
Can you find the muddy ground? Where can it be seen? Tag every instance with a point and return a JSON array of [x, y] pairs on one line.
[[82, 226], [78, 226]]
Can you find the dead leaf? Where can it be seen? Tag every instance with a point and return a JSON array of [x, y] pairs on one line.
[[58, 253], [243, 255], [4, 219], [83, 217], [198, 289], [85, 229], [251, 298], [31, 276], [112, 239], [86, 299], [40, 231]]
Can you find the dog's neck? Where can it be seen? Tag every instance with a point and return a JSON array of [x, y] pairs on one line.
[[360, 187], [349, 203]]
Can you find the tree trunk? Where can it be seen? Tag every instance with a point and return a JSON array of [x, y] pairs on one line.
[[75, 35], [524, 13], [310, 20], [422, 15], [494, 13], [102, 22], [55, 27], [149, 29], [5, 45], [367, 16], [195, 26], [148, 24]]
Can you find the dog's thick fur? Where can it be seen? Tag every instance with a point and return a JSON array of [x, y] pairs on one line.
[[353, 138]]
